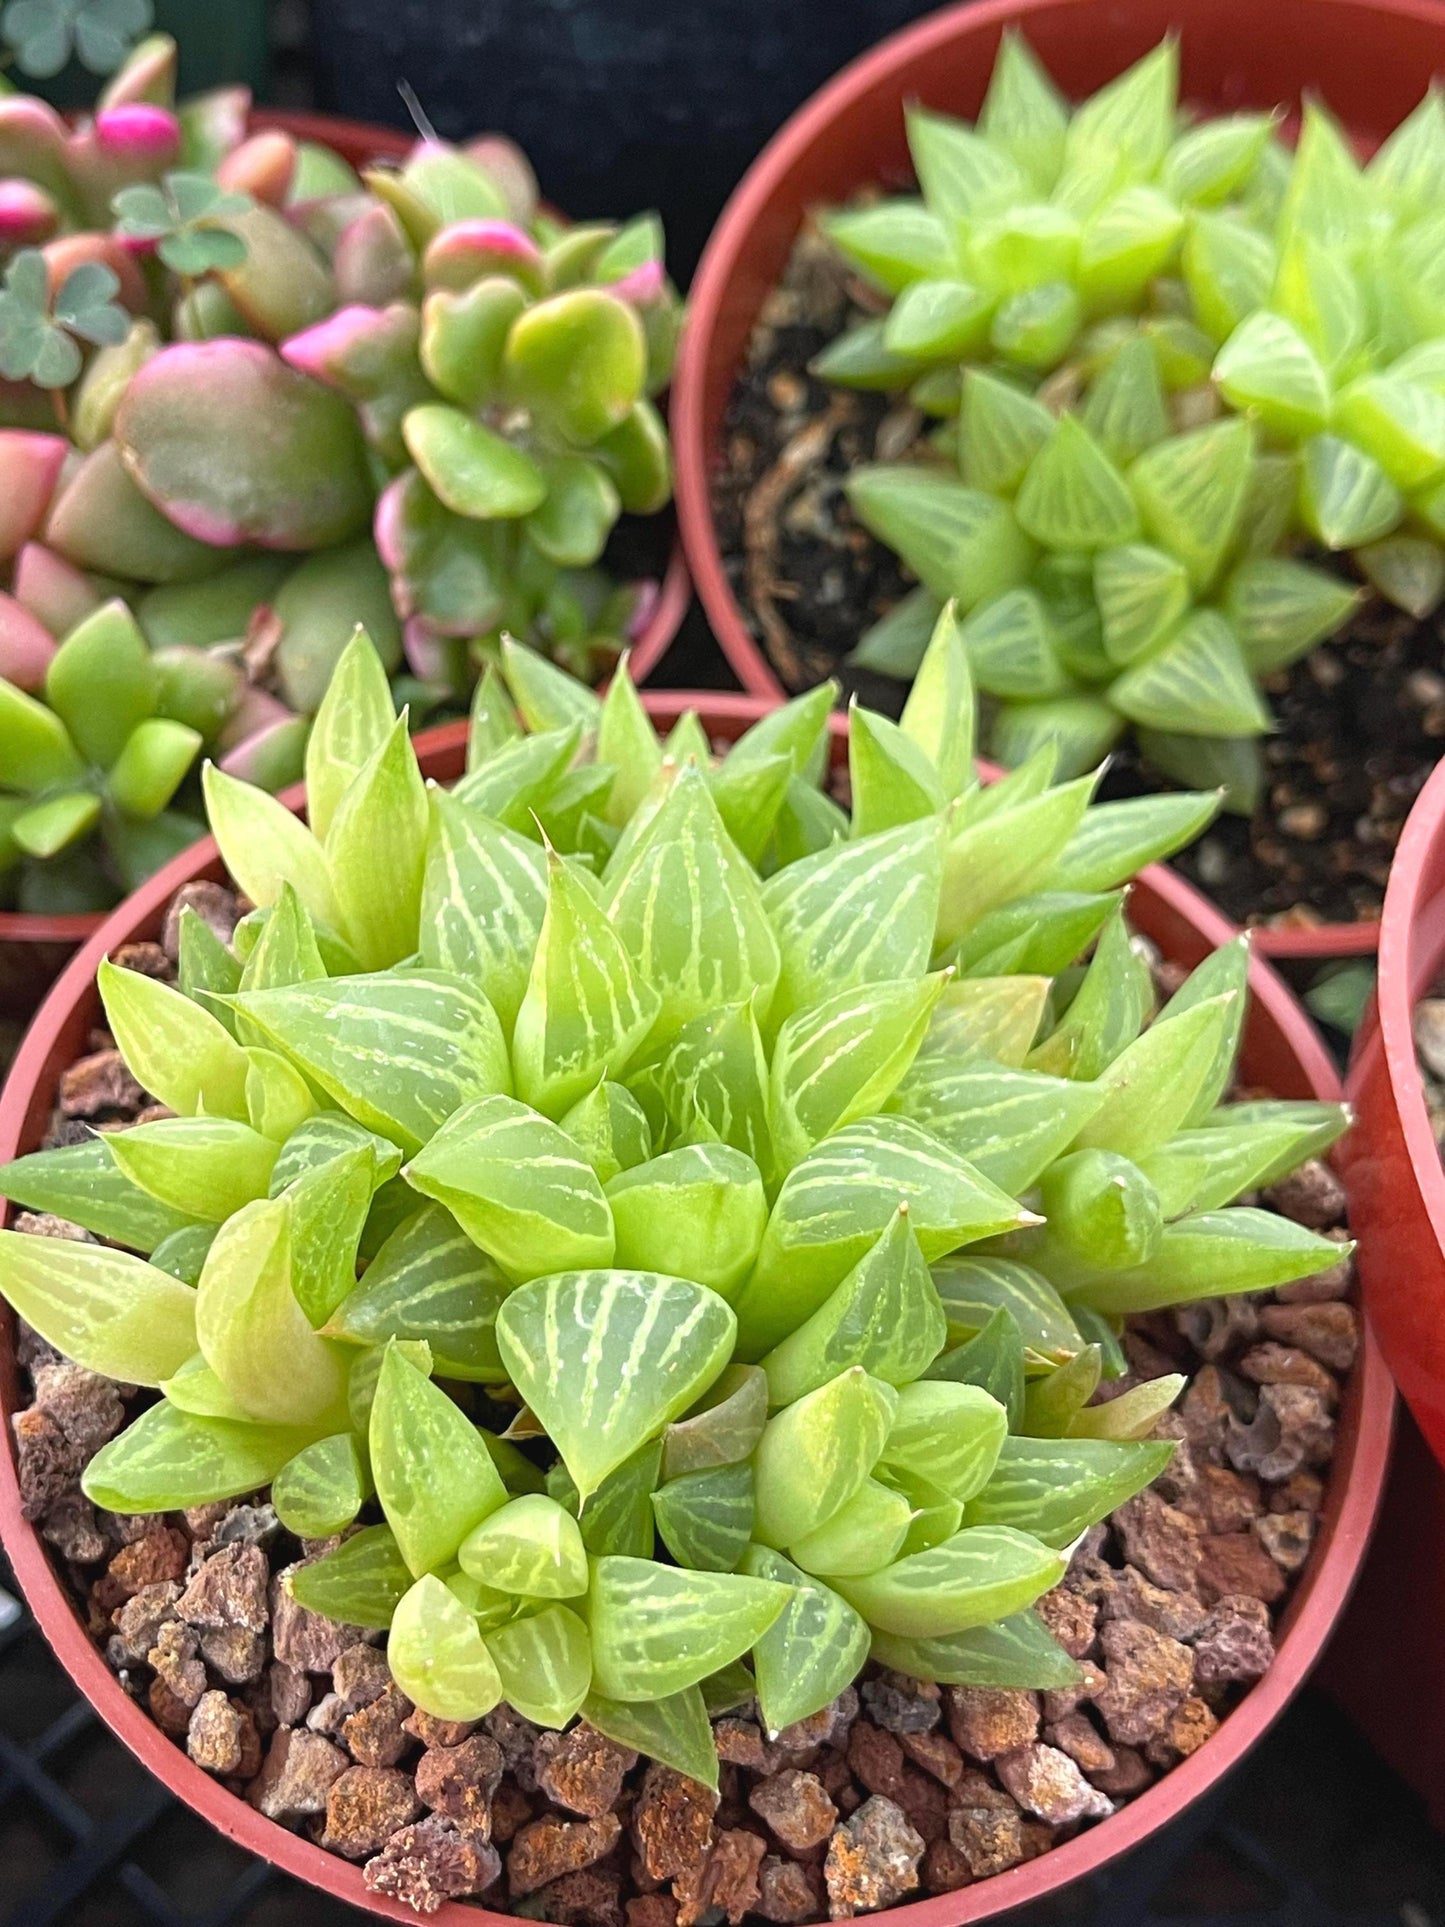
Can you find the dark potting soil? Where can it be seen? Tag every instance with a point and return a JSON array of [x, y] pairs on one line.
[[897, 1788], [1361, 722]]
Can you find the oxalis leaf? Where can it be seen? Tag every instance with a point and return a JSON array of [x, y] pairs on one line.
[[607, 1358]]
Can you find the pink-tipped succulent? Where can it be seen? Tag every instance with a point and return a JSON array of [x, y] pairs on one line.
[[285, 402]]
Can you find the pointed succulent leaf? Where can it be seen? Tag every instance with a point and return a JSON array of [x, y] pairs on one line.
[[1011, 647], [617, 1517], [585, 1010], [483, 900], [885, 1316], [1133, 1415], [1001, 430], [835, 1204], [641, 1349], [324, 1137], [1116, 840], [1134, 114], [1408, 570], [519, 1187], [657, 1630], [1223, 973], [610, 1127], [972, 1289], [724, 1426], [1191, 492], [202, 1167], [251, 1329], [361, 1582], [939, 319], [174, 1049], [1018, 1653], [1102, 1209], [167, 1460], [266, 846], [83, 1182], [429, 1281], [106, 1310], [690, 913], [1008, 853], [329, 1207], [1268, 368], [812, 1650], [102, 682], [706, 1518], [947, 1432], [1202, 674], [1055, 925], [437, 1654], [837, 1061], [815, 1454], [544, 1661], [1125, 409], [1073, 497], [1152, 1087], [939, 713], [958, 541], [1214, 1254], [322, 1489], [530, 1545], [866, 1533], [993, 1359], [1057, 1488], [376, 853], [893, 780], [1143, 593], [1345, 498], [1008, 1123], [861, 913], [696, 1212], [354, 720], [894, 243], [994, 1017], [401, 1052], [961, 172], [673, 1731], [434, 1476], [984, 1573]]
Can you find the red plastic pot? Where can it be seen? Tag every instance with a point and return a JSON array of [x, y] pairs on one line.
[[1391, 1160], [1281, 1052], [33, 949], [1370, 60]]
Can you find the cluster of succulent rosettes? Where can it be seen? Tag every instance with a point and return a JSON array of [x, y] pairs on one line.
[[1167, 354], [265, 399], [679, 1225]]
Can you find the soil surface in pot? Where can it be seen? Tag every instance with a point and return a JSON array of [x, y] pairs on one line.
[[1361, 722], [897, 1788]]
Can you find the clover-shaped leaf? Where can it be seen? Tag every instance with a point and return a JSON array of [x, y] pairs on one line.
[[183, 217], [37, 336], [43, 34]]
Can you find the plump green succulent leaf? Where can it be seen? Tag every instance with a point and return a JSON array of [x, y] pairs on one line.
[[376, 853], [984, 1573], [1345, 497], [972, 1289], [401, 1052], [958, 541], [1201, 673], [322, 1489], [107, 1310], [841, 1197], [722, 1428], [815, 1454], [265, 846], [437, 1654], [1008, 853], [617, 1517], [641, 1349], [174, 1049], [885, 1315], [894, 242], [1408, 570], [329, 1209], [1019, 1653], [812, 1649], [429, 1281], [168, 1459], [1115, 840], [434, 1476], [1001, 430], [673, 1730], [1191, 492], [483, 900], [544, 1661], [867, 1532], [1008, 1123], [252, 1330], [1133, 1415], [995, 1017], [1143, 593], [1214, 1254], [325, 1136], [705, 1518], [1073, 497], [1102, 1208], [84, 1184], [947, 1432], [530, 1545], [993, 1359], [1057, 1488], [1053, 1402], [657, 1630], [360, 1582], [1152, 1087], [1012, 649], [202, 1167], [611, 1129], [519, 1187], [695, 1212], [1135, 114]]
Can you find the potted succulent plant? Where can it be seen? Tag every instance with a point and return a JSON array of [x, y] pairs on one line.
[[1127, 294], [749, 1197], [213, 343]]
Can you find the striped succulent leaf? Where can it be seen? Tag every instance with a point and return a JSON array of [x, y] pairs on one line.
[[811, 1651], [544, 1661], [429, 1281], [657, 1630]]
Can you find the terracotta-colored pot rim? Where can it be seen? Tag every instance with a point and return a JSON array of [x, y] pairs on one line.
[[20, 926], [1355, 1488], [729, 243]]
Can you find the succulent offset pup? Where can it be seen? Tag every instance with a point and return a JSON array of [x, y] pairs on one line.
[[1166, 355], [262, 399], [780, 1169]]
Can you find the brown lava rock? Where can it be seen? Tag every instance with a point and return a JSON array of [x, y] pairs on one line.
[[365, 1806], [1046, 1782], [433, 1861], [459, 1781], [990, 1838], [796, 1808], [988, 1720], [550, 1847], [297, 1774], [672, 1822], [1149, 1674], [582, 1770], [872, 1860]]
